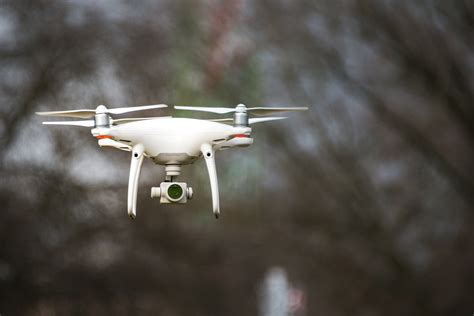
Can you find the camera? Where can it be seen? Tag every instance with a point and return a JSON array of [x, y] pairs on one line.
[[172, 192]]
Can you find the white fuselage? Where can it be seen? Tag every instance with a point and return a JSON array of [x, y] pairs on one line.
[[176, 140]]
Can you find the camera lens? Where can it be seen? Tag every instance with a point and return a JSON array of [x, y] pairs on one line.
[[175, 192]]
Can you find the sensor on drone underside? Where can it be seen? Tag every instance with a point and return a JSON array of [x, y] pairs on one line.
[[172, 192]]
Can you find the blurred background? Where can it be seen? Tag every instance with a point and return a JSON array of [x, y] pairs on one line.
[[362, 205]]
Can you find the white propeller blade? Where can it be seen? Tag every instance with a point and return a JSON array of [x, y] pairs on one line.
[[255, 110], [265, 111], [88, 123], [224, 120], [264, 119], [88, 113], [136, 108], [205, 109], [251, 120], [136, 119], [71, 113]]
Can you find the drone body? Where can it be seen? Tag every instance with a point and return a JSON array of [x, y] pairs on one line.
[[171, 142], [175, 141]]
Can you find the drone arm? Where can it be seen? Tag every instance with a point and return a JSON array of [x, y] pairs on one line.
[[208, 153], [135, 167]]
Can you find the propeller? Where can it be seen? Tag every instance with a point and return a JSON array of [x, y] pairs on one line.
[[101, 109], [241, 108], [100, 115], [91, 123], [71, 113], [251, 120], [241, 113], [87, 123], [205, 109], [135, 119]]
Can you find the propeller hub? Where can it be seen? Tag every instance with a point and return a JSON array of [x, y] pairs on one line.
[[241, 119], [101, 109], [241, 108], [102, 120]]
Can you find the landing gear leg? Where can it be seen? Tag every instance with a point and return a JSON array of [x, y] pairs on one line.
[[208, 153]]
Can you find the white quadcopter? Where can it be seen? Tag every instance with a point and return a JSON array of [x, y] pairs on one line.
[[171, 142]]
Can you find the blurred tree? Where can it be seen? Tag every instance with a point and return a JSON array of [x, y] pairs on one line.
[[366, 200]]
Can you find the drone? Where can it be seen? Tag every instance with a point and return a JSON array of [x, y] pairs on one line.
[[171, 142]]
